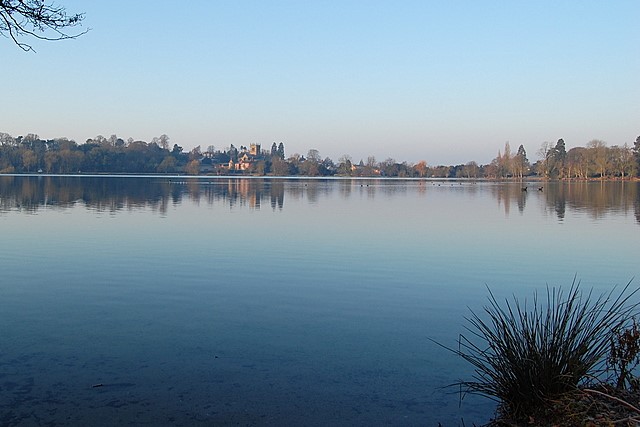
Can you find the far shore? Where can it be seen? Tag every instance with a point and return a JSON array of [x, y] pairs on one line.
[[249, 175]]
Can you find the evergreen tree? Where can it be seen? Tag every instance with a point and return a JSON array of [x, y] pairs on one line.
[[521, 163], [233, 153], [522, 153], [558, 158]]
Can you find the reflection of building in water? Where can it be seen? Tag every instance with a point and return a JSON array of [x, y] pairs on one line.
[[237, 189], [252, 191], [254, 199]]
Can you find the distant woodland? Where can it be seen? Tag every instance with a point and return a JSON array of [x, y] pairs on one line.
[[32, 154]]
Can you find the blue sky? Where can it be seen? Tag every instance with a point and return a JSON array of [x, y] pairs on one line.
[[441, 81]]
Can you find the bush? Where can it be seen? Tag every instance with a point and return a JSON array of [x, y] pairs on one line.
[[524, 358], [624, 356]]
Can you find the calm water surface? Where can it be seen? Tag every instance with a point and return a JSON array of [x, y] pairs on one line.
[[174, 301]]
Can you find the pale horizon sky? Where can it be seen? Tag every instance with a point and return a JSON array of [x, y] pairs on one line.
[[445, 82]]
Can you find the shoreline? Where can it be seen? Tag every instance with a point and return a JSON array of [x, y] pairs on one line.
[[377, 177]]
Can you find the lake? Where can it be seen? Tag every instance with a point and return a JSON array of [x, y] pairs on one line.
[[251, 301]]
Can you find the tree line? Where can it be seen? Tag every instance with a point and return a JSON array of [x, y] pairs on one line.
[[31, 154], [595, 160]]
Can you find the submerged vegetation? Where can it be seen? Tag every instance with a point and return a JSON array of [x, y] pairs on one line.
[[564, 359]]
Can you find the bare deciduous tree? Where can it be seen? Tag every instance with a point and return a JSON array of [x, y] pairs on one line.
[[544, 153], [40, 19], [599, 156]]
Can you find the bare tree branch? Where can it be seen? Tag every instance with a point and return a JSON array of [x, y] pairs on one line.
[[39, 19]]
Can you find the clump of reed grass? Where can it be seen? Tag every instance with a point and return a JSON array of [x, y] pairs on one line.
[[527, 355]]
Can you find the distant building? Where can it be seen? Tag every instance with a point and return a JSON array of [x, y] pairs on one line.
[[240, 166], [254, 150], [244, 163]]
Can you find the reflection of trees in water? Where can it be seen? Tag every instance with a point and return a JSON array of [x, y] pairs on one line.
[[390, 188], [555, 197], [509, 193], [345, 187], [313, 190], [561, 207], [636, 206], [522, 201], [597, 199], [112, 194], [101, 194], [277, 194]]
